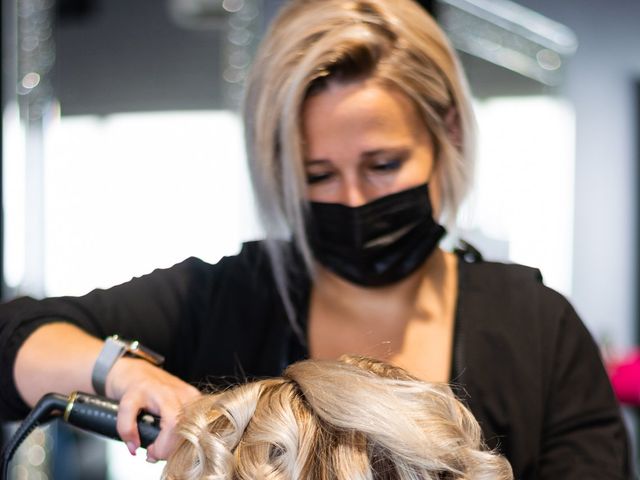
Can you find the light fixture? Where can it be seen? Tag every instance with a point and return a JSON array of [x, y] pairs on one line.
[[509, 35]]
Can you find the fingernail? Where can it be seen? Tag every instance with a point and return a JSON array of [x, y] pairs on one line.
[[151, 459], [132, 448]]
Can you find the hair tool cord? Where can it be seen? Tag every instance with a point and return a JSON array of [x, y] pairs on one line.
[[87, 412]]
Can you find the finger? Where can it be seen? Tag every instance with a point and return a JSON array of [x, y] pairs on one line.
[[126, 423], [169, 412], [150, 452], [166, 441], [151, 458]]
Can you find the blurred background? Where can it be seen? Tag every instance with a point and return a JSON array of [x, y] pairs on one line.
[[122, 152]]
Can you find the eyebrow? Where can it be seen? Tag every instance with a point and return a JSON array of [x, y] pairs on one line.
[[365, 154]]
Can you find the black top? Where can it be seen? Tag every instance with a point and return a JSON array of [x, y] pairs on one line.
[[523, 361]]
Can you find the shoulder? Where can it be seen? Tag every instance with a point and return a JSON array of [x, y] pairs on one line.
[[510, 304], [194, 276], [510, 286], [252, 257], [250, 264], [507, 312], [250, 270], [495, 275]]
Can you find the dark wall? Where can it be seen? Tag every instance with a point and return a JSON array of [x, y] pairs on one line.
[[124, 56], [129, 56]]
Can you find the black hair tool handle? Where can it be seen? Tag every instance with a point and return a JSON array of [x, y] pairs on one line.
[[99, 414], [88, 412]]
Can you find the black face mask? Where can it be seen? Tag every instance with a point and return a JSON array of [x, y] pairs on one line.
[[375, 244]]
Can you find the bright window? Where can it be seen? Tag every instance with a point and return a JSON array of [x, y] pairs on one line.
[[128, 193], [522, 206]]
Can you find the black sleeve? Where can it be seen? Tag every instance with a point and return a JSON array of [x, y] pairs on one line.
[[583, 434], [160, 309]]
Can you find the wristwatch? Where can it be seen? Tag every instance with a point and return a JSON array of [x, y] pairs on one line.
[[114, 348]]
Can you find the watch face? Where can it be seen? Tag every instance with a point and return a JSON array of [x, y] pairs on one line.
[[139, 350], [135, 349]]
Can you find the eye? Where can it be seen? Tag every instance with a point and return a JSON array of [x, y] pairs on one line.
[[387, 165], [318, 177]]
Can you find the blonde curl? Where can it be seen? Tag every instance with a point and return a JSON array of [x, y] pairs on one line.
[[353, 419]]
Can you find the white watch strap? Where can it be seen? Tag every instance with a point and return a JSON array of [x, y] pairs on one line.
[[113, 349]]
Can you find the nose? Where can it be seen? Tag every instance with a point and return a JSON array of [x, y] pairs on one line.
[[352, 194]]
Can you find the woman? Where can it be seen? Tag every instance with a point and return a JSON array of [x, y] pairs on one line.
[[311, 423], [358, 133]]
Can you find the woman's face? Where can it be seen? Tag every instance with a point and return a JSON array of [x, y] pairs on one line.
[[364, 141]]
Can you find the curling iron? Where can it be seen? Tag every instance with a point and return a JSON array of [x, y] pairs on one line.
[[88, 412]]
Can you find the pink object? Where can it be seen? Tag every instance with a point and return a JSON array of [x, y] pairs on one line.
[[625, 378]]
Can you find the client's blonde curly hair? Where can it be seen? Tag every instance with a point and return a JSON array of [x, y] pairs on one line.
[[352, 419]]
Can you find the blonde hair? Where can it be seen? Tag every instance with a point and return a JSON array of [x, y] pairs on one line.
[[312, 42], [333, 420]]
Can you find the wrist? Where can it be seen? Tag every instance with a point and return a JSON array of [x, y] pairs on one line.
[[125, 371], [114, 348]]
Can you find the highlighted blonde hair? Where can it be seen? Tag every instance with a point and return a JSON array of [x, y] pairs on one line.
[[313, 42], [353, 419]]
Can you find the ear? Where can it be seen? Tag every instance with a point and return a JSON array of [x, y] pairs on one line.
[[454, 129]]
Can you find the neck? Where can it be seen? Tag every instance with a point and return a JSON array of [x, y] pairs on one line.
[[370, 304]]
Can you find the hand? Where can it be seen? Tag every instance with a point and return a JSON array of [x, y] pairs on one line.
[[139, 385]]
